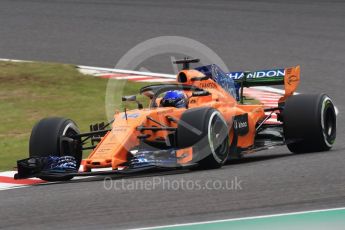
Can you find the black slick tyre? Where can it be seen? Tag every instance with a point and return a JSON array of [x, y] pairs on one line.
[[45, 140], [309, 123]]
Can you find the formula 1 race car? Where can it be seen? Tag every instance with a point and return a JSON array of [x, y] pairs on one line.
[[199, 122]]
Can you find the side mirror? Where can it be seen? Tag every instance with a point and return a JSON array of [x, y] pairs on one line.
[[129, 98], [133, 98]]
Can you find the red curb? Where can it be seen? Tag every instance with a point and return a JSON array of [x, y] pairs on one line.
[[9, 180]]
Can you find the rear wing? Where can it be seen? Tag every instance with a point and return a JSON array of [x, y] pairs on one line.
[[289, 77]]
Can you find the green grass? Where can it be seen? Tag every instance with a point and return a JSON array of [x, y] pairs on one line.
[[30, 91]]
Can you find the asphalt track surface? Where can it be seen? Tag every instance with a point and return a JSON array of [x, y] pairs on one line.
[[246, 35]]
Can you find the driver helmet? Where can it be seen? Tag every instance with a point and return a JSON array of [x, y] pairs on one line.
[[174, 98]]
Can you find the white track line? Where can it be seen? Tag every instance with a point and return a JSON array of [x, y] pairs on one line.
[[163, 75], [11, 174], [129, 77], [156, 80], [13, 60], [7, 186], [242, 218], [8, 173]]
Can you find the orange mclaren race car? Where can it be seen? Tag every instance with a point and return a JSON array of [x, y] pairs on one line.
[[201, 121]]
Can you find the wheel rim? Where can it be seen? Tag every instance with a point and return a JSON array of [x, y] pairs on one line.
[[70, 131], [328, 122], [218, 137]]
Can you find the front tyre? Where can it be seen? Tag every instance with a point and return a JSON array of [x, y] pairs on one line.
[[207, 132], [309, 123], [47, 140]]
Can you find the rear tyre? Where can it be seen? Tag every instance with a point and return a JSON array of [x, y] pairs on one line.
[[206, 131], [45, 140], [309, 123]]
